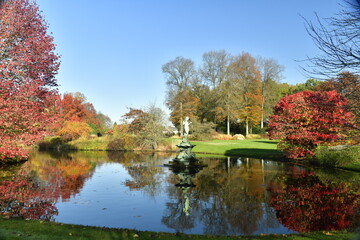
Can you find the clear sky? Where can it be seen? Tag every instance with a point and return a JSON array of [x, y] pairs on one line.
[[113, 50]]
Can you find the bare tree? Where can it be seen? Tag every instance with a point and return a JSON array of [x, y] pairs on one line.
[[214, 72], [215, 67], [339, 42], [179, 74]]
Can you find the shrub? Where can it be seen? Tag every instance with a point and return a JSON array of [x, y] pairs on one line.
[[129, 142], [202, 131], [337, 156], [219, 136], [73, 130], [253, 136], [54, 142], [258, 130], [116, 145]]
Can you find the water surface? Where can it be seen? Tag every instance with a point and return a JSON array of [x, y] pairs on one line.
[[230, 196]]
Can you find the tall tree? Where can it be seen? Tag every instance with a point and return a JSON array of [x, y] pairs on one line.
[[338, 42], [179, 74], [27, 50], [28, 66], [228, 102], [215, 67], [189, 107], [271, 74], [247, 77], [214, 72]]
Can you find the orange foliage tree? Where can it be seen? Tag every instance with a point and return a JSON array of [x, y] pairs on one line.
[[74, 108]]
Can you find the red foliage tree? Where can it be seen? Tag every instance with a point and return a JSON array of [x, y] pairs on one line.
[[348, 85], [306, 119], [28, 65], [24, 117], [27, 51]]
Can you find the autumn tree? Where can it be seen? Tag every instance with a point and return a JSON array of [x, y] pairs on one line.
[[304, 120], [348, 85], [189, 106], [154, 128], [137, 120], [228, 102], [28, 65], [27, 50], [72, 107], [73, 130], [75, 108], [178, 73], [247, 77], [147, 125]]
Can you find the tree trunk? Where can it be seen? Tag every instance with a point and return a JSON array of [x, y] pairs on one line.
[[228, 124], [262, 115], [247, 127], [181, 120]]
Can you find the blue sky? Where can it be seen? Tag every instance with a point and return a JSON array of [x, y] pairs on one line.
[[113, 50]]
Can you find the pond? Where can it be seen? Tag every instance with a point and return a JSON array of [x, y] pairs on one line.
[[228, 196]]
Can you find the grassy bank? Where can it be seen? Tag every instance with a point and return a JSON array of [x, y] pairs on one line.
[[31, 230], [256, 148]]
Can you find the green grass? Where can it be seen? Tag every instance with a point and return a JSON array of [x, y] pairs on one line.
[[31, 230], [257, 148], [337, 157]]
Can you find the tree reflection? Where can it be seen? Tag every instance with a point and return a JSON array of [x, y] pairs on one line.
[[142, 167], [227, 197], [40, 183], [233, 197], [304, 203], [21, 197]]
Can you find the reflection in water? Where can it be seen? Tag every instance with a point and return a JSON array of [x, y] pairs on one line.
[[305, 203], [21, 197], [227, 197], [178, 214]]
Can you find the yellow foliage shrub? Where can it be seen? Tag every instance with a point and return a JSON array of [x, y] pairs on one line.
[[73, 130], [219, 136]]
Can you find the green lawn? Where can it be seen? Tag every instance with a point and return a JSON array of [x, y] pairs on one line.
[[31, 230], [259, 148]]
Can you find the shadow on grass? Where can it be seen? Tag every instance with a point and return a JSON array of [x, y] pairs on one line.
[[256, 153], [267, 142]]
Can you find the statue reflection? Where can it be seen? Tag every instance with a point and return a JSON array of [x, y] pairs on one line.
[[178, 215]]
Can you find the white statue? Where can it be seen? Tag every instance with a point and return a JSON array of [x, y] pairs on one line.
[[186, 124]]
